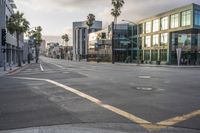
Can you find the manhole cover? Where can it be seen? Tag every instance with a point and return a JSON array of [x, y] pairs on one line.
[[144, 88], [144, 77]]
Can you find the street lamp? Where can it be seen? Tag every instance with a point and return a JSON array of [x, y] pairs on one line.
[[138, 48]]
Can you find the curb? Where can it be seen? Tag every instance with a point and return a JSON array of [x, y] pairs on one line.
[[142, 65], [15, 71], [159, 66]]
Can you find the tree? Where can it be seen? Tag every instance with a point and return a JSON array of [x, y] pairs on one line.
[[115, 12], [18, 25], [90, 20], [89, 23], [65, 37], [36, 35]]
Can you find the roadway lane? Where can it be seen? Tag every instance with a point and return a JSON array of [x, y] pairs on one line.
[[173, 92], [167, 92]]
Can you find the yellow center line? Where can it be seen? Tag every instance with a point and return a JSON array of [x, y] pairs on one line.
[[144, 123], [179, 119]]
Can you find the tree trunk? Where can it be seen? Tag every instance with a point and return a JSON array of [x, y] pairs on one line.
[[113, 41], [18, 51], [36, 54]]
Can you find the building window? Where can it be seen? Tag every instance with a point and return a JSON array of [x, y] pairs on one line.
[[164, 23], [148, 27], [155, 25], [197, 18], [154, 55], [186, 18], [163, 54], [174, 21], [155, 40], [148, 41], [146, 55], [164, 38]]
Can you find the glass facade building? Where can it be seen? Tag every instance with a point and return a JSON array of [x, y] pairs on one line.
[[163, 34], [124, 43]]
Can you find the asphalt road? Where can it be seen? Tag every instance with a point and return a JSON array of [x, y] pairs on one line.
[[89, 97]]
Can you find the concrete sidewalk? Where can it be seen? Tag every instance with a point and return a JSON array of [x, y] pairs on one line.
[[153, 65], [11, 70], [148, 65]]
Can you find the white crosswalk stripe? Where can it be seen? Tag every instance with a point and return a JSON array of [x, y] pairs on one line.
[[46, 71]]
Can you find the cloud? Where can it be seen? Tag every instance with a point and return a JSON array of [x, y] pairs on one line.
[[56, 16]]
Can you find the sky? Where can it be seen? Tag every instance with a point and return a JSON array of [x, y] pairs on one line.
[[56, 16]]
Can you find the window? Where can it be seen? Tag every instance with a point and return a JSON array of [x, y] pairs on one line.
[[164, 38], [148, 41], [197, 18], [155, 25], [163, 54], [154, 55], [174, 21], [148, 27], [146, 55], [186, 18], [164, 23], [155, 40]]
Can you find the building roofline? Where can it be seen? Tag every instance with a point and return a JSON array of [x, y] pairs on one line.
[[168, 11]]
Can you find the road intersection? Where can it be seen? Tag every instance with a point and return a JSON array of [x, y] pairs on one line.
[[170, 105]]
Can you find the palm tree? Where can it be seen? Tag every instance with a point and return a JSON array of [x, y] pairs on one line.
[[115, 12], [17, 24], [90, 20], [36, 35], [65, 37]]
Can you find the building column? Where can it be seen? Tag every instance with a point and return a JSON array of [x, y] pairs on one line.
[[86, 42], [76, 43], [150, 55], [159, 52], [10, 56], [16, 57], [81, 41], [13, 54]]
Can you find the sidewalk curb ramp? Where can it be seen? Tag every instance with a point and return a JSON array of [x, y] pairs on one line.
[[15, 71]]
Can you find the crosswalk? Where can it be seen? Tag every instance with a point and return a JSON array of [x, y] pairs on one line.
[[37, 70]]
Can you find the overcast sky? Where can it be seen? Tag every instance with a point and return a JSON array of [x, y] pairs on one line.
[[56, 16]]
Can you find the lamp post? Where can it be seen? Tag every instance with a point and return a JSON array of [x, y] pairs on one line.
[[138, 48]]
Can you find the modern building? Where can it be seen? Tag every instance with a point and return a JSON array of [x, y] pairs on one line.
[[162, 34], [80, 38], [10, 56], [124, 48], [100, 45]]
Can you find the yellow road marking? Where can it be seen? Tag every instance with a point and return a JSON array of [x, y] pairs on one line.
[[179, 119], [144, 123]]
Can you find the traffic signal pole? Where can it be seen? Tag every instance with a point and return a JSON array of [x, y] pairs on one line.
[[3, 48]]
